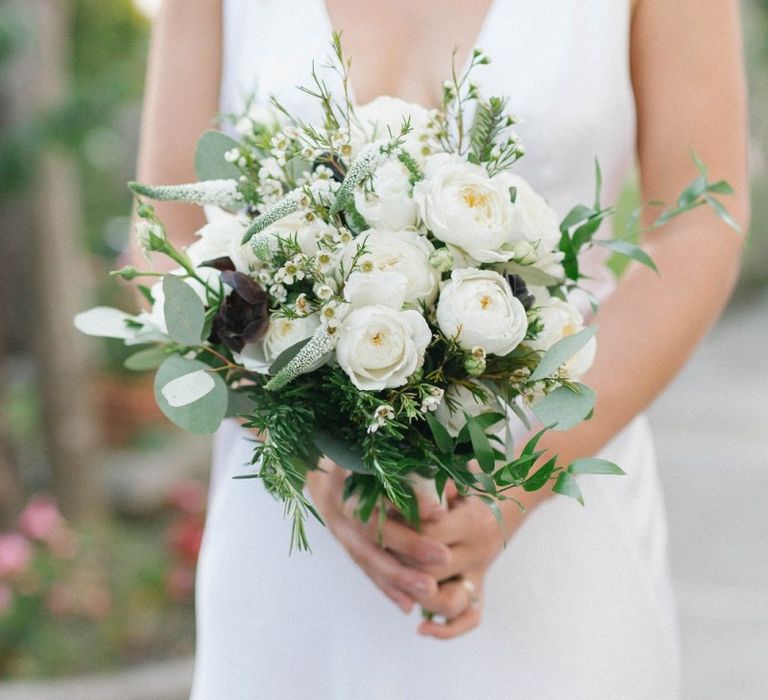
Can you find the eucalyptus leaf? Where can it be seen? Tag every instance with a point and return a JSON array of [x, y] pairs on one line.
[[629, 250], [210, 163], [188, 388], [146, 359], [337, 450], [566, 486], [594, 465], [183, 310], [565, 408], [562, 351], [105, 322], [200, 416]]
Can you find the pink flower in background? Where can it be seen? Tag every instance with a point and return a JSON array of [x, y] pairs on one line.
[[41, 519], [15, 553], [6, 598]]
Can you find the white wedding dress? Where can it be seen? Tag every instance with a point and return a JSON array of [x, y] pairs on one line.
[[579, 604]]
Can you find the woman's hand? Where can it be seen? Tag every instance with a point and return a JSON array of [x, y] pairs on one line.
[[403, 583], [475, 538]]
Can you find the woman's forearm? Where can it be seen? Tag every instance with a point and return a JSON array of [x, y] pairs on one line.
[[651, 325]]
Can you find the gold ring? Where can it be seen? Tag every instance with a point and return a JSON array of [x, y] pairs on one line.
[[471, 589]]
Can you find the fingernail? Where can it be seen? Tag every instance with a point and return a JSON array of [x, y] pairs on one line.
[[419, 587], [438, 555]]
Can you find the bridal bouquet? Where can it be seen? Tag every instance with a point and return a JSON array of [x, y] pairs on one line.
[[380, 287]]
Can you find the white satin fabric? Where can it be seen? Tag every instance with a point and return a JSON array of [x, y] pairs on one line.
[[579, 604]]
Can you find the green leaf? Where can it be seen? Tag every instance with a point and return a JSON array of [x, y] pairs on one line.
[[594, 465], [210, 163], [692, 192], [530, 446], [720, 187], [286, 356], [337, 450], [481, 446], [443, 440], [201, 416], [494, 506], [240, 402], [598, 183], [723, 213], [562, 351], [183, 310], [149, 358], [531, 275], [565, 408], [629, 250], [578, 214], [566, 486], [486, 420], [517, 470], [537, 481]]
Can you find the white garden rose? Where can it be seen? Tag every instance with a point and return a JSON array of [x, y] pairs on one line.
[[369, 288], [561, 319], [465, 208], [405, 252], [380, 347], [459, 400], [533, 220], [384, 115], [388, 202], [280, 335], [306, 231], [477, 308], [221, 237]]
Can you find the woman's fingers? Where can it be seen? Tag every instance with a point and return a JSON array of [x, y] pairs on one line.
[[462, 624], [382, 567], [465, 617], [409, 544], [450, 600]]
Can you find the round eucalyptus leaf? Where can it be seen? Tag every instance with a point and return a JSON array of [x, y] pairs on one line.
[[210, 163], [184, 312], [190, 395], [565, 408]]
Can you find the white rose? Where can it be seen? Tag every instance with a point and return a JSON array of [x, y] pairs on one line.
[[464, 207], [561, 319], [280, 335], [384, 115], [477, 308], [221, 238], [307, 232], [389, 204], [380, 347], [533, 220], [369, 288], [404, 252], [459, 400]]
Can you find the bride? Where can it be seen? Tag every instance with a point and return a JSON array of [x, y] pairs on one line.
[[578, 603]]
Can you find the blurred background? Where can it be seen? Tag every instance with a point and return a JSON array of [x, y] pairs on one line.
[[102, 502]]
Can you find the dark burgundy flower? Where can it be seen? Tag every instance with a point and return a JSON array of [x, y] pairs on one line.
[[244, 314], [521, 291], [220, 264]]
